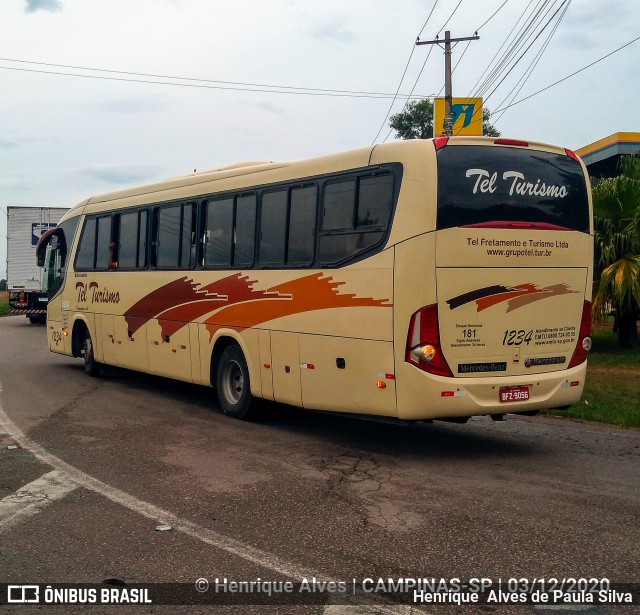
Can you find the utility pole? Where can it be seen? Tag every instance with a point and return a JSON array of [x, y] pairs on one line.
[[448, 88]]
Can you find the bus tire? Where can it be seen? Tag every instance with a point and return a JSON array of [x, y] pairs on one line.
[[91, 366], [233, 387]]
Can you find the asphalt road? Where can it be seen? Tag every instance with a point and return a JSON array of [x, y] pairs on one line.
[[90, 467]]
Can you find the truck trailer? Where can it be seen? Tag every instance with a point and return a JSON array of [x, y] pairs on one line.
[[25, 226]]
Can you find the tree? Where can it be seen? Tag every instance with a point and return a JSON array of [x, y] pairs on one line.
[[415, 121], [616, 204]]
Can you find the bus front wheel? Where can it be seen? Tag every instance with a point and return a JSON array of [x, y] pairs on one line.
[[232, 383]]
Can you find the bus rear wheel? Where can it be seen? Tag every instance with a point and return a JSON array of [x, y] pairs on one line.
[[91, 366], [232, 384]]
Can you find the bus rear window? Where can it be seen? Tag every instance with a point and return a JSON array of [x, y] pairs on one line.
[[481, 185]]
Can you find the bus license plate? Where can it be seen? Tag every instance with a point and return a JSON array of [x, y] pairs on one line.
[[509, 394]]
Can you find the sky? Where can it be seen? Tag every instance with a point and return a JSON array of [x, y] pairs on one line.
[[64, 138]]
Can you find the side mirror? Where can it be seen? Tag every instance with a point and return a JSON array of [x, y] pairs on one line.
[[45, 240]]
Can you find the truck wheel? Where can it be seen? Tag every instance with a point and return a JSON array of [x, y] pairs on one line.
[[37, 320], [232, 384], [91, 366]]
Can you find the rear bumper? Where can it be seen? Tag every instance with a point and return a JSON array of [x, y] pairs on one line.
[[28, 312], [33, 303], [423, 396]]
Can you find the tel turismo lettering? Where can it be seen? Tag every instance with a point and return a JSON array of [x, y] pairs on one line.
[[95, 294], [486, 182]]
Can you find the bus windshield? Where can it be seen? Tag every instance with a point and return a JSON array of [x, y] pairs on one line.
[[479, 185]]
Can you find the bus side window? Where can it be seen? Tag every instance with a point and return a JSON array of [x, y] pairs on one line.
[[218, 233], [375, 196], [188, 236], [338, 203], [132, 240], [103, 241], [302, 225], [273, 228], [143, 258], [167, 236], [174, 232], [127, 240], [244, 231], [355, 216], [85, 258]]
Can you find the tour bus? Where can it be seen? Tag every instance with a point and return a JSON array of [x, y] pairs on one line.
[[415, 280]]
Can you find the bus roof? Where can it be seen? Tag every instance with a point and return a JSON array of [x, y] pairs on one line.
[[203, 182]]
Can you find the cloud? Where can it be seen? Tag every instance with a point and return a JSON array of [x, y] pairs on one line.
[[43, 5], [4, 144], [265, 106], [334, 31], [147, 104], [586, 24], [122, 175]]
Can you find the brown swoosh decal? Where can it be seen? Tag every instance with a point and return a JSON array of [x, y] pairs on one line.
[[522, 289], [544, 293], [515, 296], [313, 292], [226, 291], [161, 299]]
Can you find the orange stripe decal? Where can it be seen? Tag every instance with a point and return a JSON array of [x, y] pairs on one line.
[[233, 301]]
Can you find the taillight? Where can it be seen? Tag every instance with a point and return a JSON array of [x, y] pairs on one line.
[[584, 340], [572, 154], [423, 342], [512, 142], [440, 142]]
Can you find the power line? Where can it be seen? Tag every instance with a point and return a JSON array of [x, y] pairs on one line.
[[195, 79], [473, 89], [565, 4], [492, 16], [403, 75], [406, 68], [449, 18], [469, 42], [523, 80], [527, 49], [424, 25], [525, 32], [413, 88], [301, 92], [569, 76]]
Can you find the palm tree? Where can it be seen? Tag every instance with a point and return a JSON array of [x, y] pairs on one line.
[[617, 249]]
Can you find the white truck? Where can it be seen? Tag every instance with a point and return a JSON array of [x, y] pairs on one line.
[[25, 226]]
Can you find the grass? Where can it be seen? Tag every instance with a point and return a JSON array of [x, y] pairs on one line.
[[4, 302], [612, 389]]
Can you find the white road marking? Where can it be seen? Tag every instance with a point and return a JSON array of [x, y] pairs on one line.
[[160, 516], [33, 498]]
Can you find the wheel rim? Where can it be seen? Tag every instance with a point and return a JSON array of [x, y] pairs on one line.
[[88, 353], [232, 382]]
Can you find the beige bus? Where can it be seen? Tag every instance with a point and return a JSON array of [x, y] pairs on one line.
[[426, 279]]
